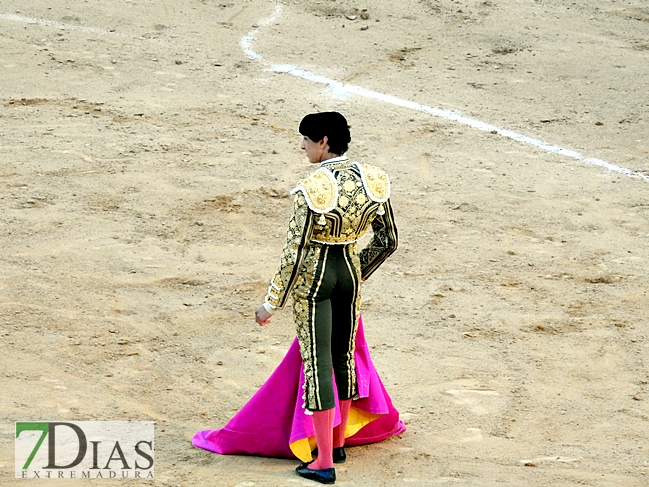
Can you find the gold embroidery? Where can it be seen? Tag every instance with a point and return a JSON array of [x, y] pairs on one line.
[[346, 186], [336, 204], [303, 320], [355, 209], [320, 190], [297, 239], [376, 182], [305, 288], [383, 242], [354, 265]]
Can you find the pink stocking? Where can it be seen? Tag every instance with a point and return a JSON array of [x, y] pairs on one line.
[[323, 422], [339, 431]]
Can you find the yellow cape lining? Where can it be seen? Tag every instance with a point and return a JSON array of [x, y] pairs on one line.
[[357, 419]]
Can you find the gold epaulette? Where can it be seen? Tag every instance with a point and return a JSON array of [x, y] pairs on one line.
[[320, 190], [376, 182]]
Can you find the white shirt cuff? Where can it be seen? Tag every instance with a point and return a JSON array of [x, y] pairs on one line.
[[269, 308]]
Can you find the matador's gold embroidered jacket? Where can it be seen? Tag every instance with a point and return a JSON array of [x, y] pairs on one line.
[[336, 205]]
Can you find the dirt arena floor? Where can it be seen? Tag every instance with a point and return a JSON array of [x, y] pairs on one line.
[[144, 175]]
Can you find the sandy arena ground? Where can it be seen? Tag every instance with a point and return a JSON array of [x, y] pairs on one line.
[[144, 175]]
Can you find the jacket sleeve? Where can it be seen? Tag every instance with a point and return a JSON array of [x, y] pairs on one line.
[[383, 243], [298, 236]]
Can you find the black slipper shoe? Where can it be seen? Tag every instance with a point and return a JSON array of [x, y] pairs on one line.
[[324, 476]]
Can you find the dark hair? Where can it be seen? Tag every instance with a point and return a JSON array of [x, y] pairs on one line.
[[332, 124]]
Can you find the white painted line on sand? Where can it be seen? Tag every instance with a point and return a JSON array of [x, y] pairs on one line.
[[342, 90], [246, 41]]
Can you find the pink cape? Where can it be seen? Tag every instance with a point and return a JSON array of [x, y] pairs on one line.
[[273, 423]]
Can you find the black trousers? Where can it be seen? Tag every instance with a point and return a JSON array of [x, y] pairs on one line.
[[326, 302]]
